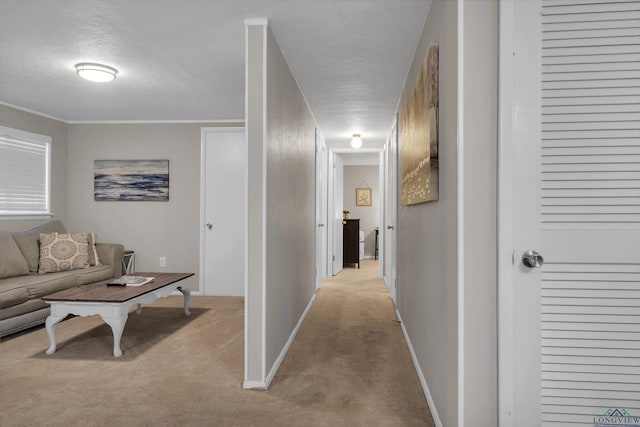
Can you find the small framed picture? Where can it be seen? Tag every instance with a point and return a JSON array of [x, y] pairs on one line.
[[363, 197]]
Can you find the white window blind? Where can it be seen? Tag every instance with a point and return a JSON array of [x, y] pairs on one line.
[[24, 173]]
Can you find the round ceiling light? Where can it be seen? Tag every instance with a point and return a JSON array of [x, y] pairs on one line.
[[356, 142], [96, 72]]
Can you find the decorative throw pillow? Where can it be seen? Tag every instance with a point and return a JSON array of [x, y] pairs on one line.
[[94, 258], [63, 252]]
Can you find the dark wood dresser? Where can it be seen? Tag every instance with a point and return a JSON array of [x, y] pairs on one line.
[[351, 242]]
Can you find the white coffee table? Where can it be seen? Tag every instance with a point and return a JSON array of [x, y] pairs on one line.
[[112, 303]]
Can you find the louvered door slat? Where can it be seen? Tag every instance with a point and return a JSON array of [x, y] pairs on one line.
[[590, 179], [589, 34]]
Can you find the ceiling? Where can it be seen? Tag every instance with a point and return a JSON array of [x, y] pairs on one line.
[[183, 60]]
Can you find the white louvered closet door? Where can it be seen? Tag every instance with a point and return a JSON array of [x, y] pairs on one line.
[[577, 198]]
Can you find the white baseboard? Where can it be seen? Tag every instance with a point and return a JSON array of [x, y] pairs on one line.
[[254, 385], [283, 353], [423, 382]]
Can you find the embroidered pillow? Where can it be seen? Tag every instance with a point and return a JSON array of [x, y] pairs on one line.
[[63, 252], [94, 259]]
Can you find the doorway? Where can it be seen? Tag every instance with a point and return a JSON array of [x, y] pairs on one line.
[[351, 170]]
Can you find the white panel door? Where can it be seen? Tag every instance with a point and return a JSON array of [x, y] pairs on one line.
[[319, 224], [337, 217], [576, 172], [390, 241], [225, 171]]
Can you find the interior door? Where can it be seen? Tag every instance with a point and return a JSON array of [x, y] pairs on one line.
[[319, 223], [338, 206], [390, 240], [576, 198], [224, 218]]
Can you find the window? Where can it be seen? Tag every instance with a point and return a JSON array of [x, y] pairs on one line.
[[25, 160]]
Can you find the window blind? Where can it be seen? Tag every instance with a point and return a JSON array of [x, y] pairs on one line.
[[24, 172]]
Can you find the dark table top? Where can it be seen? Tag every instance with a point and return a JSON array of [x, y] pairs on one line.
[[100, 292]]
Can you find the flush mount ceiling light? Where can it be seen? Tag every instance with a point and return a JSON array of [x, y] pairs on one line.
[[356, 142], [96, 72]]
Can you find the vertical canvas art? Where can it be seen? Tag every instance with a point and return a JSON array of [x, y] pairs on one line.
[[419, 135], [131, 180]]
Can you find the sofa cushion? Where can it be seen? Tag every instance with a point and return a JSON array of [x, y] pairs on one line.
[[13, 292], [27, 241], [12, 262], [94, 258], [63, 252], [93, 274], [26, 307], [38, 285]]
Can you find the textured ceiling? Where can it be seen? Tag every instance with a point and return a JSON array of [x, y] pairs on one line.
[[184, 60]]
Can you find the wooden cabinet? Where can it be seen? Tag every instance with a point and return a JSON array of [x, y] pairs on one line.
[[351, 242]]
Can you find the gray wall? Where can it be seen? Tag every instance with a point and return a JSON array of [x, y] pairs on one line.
[[427, 233], [480, 214], [290, 202], [254, 373], [428, 251], [152, 229], [57, 130], [368, 215], [281, 205]]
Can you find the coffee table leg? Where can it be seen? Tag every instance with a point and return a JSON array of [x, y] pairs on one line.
[[51, 323], [117, 326], [187, 296]]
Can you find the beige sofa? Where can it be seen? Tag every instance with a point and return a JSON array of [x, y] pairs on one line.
[[22, 287]]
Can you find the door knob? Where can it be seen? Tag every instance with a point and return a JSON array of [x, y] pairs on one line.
[[532, 259], [389, 227], [209, 225], [320, 225]]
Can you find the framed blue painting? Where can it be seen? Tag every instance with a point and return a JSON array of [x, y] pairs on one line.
[[131, 180]]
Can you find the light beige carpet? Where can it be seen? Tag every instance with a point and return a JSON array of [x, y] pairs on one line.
[[349, 366]]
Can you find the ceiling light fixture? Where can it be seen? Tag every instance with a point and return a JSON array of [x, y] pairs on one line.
[[96, 72], [356, 142]]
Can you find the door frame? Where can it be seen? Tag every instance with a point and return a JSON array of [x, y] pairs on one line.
[[506, 210], [203, 197], [321, 209], [391, 204], [382, 197], [330, 212]]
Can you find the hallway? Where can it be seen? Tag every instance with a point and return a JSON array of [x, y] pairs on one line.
[[349, 364]]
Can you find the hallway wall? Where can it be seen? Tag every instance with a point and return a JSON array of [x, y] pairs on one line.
[[290, 258], [281, 206], [447, 294], [480, 126], [427, 233]]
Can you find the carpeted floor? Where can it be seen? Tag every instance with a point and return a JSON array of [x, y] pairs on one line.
[[349, 366]]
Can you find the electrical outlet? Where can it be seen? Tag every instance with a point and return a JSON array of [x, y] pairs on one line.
[[163, 261]]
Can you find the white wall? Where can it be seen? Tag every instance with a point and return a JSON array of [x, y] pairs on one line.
[[427, 234], [57, 130], [368, 215], [152, 229]]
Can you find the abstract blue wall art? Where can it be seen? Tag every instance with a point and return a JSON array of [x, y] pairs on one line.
[[131, 180]]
